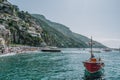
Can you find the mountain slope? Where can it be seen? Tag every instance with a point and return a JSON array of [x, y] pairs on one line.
[[87, 40], [35, 29], [54, 37], [67, 32]]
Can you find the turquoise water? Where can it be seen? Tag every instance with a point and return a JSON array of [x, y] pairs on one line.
[[66, 65]]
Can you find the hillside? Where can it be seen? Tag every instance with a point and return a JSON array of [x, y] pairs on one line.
[[36, 30], [54, 37], [67, 32], [87, 40], [22, 26]]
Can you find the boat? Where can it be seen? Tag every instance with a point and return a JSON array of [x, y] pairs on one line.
[[107, 50], [51, 49], [118, 49], [93, 66], [95, 51]]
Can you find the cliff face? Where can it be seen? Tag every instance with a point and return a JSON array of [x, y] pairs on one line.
[[22, 26]]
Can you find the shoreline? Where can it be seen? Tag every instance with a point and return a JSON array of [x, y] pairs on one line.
[[20, 49]]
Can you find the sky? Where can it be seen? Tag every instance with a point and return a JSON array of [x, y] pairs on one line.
[[97, 18]]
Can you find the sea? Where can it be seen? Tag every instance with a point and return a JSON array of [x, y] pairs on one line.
[[64, 65]]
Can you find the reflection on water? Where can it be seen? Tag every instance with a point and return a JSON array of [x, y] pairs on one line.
[[99, 75], [94, 76], [66, 65], [99, 78]]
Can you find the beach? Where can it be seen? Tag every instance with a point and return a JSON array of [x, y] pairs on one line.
[[20, 49]]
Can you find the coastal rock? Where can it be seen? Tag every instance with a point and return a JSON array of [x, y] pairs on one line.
[[23, 27], [5, 34]]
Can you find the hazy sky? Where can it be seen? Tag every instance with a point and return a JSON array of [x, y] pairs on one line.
[[97, 18]]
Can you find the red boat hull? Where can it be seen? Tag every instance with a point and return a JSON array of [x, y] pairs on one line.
[[93, 67]]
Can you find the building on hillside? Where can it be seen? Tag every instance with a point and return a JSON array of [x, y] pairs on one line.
[[33, 32]]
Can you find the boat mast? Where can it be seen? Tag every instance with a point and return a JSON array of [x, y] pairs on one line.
[[91, 46], [119, 49]]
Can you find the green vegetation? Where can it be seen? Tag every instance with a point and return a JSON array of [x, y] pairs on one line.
[[55, 38], [18, 22], [63, 36], [34, 30]]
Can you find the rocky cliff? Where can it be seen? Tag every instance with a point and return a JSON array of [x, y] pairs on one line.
[[36, 30], [22, 26]]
